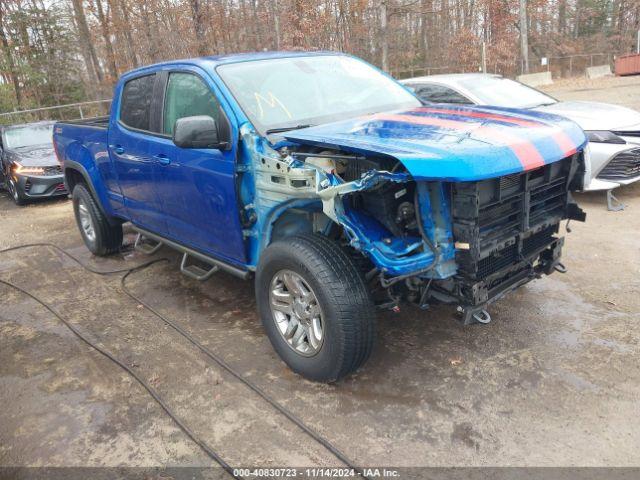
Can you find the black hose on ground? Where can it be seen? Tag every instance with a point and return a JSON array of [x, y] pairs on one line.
[[306, 429], [74, 258], [128, 271], [131, 372]]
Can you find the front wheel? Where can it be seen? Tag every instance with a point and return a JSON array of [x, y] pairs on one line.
[[100, 237], [16, 195], [315, 307]]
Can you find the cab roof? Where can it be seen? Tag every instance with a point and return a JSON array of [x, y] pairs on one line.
[[216, 60]]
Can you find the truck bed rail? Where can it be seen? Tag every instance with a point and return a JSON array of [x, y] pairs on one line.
[[96, 122]]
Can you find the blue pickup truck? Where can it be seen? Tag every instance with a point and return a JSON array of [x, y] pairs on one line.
[[331, 185]]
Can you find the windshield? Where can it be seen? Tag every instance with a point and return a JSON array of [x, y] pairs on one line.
[[301, 91], [28, 136], [502, 92]]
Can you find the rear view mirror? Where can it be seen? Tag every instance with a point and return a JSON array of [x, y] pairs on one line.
[[200, 131]]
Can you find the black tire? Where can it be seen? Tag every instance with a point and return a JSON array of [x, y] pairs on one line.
[[14, 192], [348, 314], [107, 238]]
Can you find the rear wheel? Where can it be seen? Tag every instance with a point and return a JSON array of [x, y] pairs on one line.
[[315, 307], [100, 237]]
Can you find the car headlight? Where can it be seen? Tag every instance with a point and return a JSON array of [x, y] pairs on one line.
[[603, 136], [22, 170]]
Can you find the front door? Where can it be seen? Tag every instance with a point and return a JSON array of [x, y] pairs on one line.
[[197, 186], [130, 140]]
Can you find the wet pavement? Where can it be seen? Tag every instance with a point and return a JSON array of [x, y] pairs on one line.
[[554, 379]]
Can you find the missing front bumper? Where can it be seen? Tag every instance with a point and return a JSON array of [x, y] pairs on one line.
[[473, 295]]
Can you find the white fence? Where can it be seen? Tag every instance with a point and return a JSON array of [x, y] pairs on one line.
[[561, 66], [70, 111]]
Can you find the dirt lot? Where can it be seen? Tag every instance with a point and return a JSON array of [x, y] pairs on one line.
[[554, 379]]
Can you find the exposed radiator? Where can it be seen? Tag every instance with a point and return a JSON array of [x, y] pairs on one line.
[[500, 222]]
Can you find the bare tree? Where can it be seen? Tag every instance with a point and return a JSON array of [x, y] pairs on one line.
[[52, 50], [384, 36], [198, 26], [106, 37], [524, 36], [86, 43], [9, 59], [125, 28], [275, 12]]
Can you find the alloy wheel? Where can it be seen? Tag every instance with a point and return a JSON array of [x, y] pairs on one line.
[[13, 190], [86, 222], [296, 312]]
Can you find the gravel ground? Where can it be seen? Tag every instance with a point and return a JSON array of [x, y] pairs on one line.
[[623, 91], [553, 380]]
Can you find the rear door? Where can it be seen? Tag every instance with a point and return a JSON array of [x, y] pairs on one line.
[[197, 186], [132, 131]]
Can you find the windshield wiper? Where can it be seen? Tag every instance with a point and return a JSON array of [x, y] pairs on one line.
[[286, 129]]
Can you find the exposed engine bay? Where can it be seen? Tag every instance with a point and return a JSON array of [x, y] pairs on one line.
[[463, 243], [392, 205]]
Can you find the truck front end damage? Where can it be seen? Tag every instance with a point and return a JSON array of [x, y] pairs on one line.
[[460, 221], [506, 232], [463, 243]]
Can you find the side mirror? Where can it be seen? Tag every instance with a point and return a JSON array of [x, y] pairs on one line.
[[200, 131]]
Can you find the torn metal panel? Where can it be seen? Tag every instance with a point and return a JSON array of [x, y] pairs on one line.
[[272, 185], [393, 255]]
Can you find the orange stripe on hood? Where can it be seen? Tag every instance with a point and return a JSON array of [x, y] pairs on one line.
[[524, 150], [564, 142]]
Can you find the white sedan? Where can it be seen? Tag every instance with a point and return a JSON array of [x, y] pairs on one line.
[[613, 131]]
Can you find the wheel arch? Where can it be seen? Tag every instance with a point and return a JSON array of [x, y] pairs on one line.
[[75, 173], [295, 217]]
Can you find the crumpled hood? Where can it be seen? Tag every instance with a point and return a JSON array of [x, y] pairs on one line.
[[596, 115], [455, 143], [36, 156]]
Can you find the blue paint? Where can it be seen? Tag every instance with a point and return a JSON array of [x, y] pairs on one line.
[[213, 200], [431, 152]]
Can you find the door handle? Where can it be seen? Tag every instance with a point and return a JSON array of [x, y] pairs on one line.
[[162, 159], [119, 149]]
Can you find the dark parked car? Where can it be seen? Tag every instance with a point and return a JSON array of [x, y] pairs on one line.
[[29, 166]]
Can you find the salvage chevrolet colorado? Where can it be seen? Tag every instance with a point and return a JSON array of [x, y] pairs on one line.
[[331, 185]]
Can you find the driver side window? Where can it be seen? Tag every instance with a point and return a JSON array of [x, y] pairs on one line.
[[187, 95]]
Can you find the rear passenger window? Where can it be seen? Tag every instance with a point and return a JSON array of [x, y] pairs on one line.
[[187, 95], [135, 108]]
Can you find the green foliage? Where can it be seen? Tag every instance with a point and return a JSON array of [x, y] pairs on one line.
[[44, 53], [7, 98], [593, 16]]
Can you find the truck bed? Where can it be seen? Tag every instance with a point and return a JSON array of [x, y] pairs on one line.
[[95, 122], [83, 146]]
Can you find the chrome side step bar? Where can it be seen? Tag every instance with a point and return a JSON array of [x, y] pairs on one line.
[[193, 271], [143, 245], [196, 272]]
